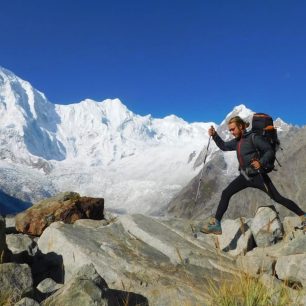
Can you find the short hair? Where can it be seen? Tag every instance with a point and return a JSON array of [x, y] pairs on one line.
[[239, 121]]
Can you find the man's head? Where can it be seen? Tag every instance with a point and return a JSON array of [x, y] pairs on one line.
[[236, 126]]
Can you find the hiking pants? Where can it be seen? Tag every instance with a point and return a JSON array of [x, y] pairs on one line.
[[262, 182]]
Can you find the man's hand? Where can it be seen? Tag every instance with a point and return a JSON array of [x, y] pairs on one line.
[[255, 164], [211, 131]]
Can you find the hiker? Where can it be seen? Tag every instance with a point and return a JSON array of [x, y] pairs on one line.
[[252, 170]]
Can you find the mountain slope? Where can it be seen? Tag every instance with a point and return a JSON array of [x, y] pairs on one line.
[[96, 148]]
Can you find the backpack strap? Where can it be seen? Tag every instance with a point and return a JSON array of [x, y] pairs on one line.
[[253, 143]]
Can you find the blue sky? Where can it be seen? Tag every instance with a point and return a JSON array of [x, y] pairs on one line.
[[196, 59]]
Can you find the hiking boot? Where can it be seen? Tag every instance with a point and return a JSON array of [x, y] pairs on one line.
[[213, 227]]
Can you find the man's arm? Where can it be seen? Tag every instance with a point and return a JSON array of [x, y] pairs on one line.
[[224, 146]]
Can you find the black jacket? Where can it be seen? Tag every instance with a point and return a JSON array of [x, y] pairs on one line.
[[247, 150]]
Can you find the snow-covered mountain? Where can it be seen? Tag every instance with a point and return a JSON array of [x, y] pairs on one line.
[[97, 148], [137, 163]]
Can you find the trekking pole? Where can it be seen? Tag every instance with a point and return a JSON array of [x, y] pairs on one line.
[[267, 189], [263, 180], [195, 201]]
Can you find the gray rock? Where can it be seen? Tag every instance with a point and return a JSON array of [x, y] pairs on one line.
[[255, 265], [292, 268], [140, 254], [236, 237], [87, 287], [80, 290], [295, 244], [18, 243], [2, 239], [10, 221], [91, 223], [266, 226], [15, 280], [48, 285], [27, 302], [290, 224], [276, 287]]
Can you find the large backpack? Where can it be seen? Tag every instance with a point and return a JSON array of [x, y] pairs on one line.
[[262, 124]]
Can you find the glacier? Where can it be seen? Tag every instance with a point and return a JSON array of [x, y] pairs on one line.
[[98, 148]]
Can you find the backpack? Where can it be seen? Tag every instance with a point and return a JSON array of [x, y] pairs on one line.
[[262, 124]]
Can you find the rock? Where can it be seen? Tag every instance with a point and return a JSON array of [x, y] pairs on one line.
[[27, 302], [290, 224], [15, 280], [255, 265], [10, 222], [295, 244], [2, 240], [292, 268], [236, 237], [280, 292], [91, 223], [66, 207], [86, 287], [77, 292], [18, 243], [266, 226], [48, 285], [141, 254]]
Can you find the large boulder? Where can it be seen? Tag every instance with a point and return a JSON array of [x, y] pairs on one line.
[[15, 280], [19, 243], [266, 226], [292, 268], [67, 207], [157, 259], [236, 237]]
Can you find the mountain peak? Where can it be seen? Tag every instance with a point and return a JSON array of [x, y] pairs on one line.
[[241, 111], [6, 74], [114, 104]]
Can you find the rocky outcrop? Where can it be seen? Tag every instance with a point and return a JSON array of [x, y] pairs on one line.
[[141, 254], [286, 259], [140, 260], [66, 207]]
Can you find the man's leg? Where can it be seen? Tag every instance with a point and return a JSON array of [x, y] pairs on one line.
[[214, 226], [238, 184], [277, 197]]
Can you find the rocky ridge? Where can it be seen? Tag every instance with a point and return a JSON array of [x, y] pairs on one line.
[[141, 260]]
